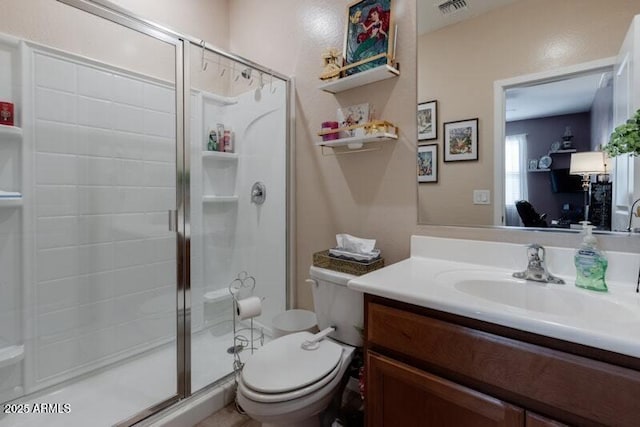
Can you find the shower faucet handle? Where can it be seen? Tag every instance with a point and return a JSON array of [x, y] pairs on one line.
[[258, 193]]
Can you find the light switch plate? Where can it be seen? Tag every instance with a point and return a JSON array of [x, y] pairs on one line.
[[481, 197]]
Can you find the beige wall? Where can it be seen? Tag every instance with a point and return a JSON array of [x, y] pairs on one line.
[[204, 19], [368, 194], [458, 64], [63, 27]]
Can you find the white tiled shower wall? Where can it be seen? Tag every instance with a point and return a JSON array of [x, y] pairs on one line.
[[228, 238], [104, 179]]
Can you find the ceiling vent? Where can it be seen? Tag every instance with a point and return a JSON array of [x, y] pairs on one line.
[[451, 6]]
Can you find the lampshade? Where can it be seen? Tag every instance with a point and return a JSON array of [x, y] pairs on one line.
[[587, 163]]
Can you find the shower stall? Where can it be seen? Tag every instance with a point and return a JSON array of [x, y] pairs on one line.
[[144, 172]]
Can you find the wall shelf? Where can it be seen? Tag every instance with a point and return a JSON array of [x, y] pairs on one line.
[[377, 130], [362, 78], [219, 155], [218, 99], [10, 355], [10, 132], [539, 170], [356, 141], [219, 199], [572, 150], [10, 202]]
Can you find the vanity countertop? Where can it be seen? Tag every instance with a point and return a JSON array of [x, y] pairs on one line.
[[478, 285]]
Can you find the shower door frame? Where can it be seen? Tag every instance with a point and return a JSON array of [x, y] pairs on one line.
[[180, 219]]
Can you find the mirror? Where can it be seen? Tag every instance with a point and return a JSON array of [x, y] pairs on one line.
[[463, 52], [548, 126]]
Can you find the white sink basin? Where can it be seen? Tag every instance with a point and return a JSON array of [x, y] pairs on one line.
[[473, 279], [558, 300]]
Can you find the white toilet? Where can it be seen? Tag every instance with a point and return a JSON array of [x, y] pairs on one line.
[[284, 384]]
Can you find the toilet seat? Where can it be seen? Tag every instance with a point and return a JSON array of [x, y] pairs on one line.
[[291, 395], [283, 366]]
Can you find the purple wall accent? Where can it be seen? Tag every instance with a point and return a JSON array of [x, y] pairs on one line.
[[541, 133]]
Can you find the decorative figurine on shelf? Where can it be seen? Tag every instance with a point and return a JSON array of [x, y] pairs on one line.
[[567, 139], [331, 58]]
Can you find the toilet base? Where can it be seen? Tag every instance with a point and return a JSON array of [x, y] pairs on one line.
[[311, 422], [304, 416], [306, 411]]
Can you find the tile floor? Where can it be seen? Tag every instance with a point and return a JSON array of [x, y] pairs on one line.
[[228, 417]]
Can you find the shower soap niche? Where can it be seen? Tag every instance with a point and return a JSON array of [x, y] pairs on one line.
[[10, 355], [220, 155]]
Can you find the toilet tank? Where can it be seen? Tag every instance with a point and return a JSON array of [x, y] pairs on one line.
[[338, 306]]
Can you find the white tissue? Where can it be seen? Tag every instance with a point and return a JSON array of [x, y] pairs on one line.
[[354, 244]]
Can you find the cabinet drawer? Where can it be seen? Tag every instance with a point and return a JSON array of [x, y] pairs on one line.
[[400, 395], [535, 420], [575, 389]]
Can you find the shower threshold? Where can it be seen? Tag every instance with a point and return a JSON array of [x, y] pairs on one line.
[[117, 393]]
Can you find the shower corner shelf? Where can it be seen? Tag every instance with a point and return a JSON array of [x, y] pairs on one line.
[[11, 355], [218, 99], [10, 202], [10, 131], [219, 155], [362, 78], [219, 199]]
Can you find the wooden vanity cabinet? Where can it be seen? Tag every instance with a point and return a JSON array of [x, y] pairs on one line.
[[400, 395], [535, 420], [430, 368]]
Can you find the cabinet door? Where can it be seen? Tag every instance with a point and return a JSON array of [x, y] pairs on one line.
[[535, 420], [400, 395], [626, 100]]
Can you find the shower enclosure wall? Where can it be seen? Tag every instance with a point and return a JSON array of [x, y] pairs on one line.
[[230, 233], [117, 252]]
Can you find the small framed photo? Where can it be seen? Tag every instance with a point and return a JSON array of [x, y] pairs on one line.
[[369, 35], [428, 121], [428, 163], [461, 140], [353, 115], [533, 164]]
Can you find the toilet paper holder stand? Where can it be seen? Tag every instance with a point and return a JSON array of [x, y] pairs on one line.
[[242, 287]]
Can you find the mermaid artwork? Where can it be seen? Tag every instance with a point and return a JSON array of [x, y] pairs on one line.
[[373, 38]]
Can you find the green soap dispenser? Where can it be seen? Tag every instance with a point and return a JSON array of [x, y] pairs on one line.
[[591, 263]]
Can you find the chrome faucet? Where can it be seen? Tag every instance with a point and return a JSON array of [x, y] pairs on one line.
[[536, 269]]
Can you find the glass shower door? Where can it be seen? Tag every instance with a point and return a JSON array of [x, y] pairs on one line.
[[91, 268], [238, 145]]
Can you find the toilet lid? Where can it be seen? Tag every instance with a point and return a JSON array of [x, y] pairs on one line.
[[283, 365]]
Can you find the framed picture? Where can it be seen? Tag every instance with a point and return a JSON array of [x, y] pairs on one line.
[[351, 116], [369, 35], [427, 120], [461, 140], [428, 163]]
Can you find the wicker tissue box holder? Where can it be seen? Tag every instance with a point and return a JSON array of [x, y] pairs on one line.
[[323, 260]]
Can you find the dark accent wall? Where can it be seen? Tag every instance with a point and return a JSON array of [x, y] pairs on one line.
[[541, 133]]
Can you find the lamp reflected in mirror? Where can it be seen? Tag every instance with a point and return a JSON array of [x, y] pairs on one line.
[[587, 165]]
